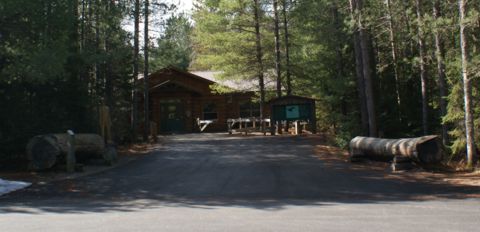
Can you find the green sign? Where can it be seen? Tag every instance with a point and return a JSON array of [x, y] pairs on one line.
[[292, 112]]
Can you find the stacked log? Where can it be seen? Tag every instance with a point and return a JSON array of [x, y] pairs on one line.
[[44, 151], [422, 150]]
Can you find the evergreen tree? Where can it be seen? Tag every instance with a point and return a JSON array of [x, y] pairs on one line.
[[174, 45]]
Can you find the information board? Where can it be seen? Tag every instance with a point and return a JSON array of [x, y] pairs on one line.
[[292, 111]]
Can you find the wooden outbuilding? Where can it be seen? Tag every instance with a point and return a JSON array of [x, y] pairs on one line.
[[299, 110]]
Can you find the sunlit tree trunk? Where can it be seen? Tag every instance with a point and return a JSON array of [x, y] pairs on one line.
[[277, 50], [259, 55], [440, 55], [287, 48], [467, 87], [423, 69], [393, 44]]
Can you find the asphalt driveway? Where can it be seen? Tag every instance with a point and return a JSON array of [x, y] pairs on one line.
[[216, 182]]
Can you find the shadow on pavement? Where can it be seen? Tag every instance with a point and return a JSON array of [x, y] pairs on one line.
[[211, 171]]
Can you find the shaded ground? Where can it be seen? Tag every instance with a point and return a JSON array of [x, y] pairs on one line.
[[222, 170], [235, 174]]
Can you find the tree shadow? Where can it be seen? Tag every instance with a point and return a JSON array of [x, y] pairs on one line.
[[211, 171]]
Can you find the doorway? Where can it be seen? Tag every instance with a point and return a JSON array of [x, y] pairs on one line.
[[172, 116]]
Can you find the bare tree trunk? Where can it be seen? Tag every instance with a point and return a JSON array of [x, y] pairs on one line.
[[467, 87], [277, 50], [146, 101], [82, 30], [136, 49], [393, 44], [259, 53], [107, 64], [98, 80], [359, 72], [287, 48], [409, 48], [442, 83], [338, 51], [423, 69], [367, 72]]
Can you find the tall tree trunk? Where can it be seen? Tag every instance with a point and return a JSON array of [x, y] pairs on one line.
[[136, 45], [423, 69], [82, 30], [467, 87], [365, 42], [440, 55], [109, 8], [287, 48], [145, 76], [340, 72], [393, 44], [259, 54], [277, 50], [98, 80], [409, 47], [359, 71]]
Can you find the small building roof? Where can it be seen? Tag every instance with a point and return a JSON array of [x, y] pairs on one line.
[[239, 85], [290, 99], [213, 77]]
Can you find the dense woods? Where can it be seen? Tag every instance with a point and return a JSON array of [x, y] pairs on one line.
[[377, 67], [381, 68], [61, 60]]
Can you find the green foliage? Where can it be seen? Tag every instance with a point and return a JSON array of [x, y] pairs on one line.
[[174, 46], [224, 39], [57, 60]]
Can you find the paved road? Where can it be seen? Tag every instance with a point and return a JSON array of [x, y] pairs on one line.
[[214, 182]]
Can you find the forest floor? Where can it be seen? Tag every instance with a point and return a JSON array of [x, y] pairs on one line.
[[445, 174], [126, 154]]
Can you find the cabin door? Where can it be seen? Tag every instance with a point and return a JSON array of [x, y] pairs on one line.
[[172, 116]]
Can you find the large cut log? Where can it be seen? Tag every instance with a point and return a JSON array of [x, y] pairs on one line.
[[43, 151], [423, 150]]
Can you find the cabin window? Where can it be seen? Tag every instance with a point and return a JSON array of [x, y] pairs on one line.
[[210, 111], [249, 109]]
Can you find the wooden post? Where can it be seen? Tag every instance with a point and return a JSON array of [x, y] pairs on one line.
[[154, 131], [272, 130], [297, 128], [71, 151], [229, 125], [313, 121]]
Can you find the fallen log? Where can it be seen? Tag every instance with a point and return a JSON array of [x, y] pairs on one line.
[[44, 151], [423, 150]]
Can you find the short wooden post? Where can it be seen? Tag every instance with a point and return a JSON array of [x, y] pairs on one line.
[[71, 151], [272, 129], [297, 128], [229, 125], [153, 131]]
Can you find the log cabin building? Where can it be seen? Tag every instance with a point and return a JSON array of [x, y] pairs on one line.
[[178, 99]]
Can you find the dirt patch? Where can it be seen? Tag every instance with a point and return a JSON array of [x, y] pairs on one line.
[[446, 175]]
